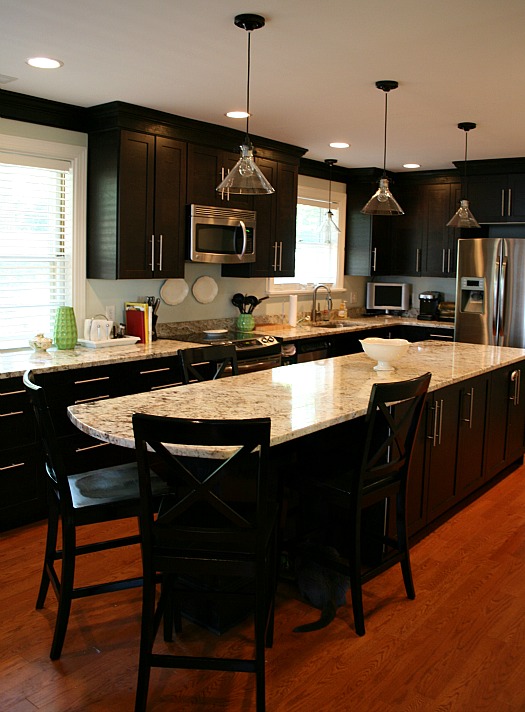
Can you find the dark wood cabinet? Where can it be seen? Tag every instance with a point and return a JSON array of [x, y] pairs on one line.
[[471, 435], [422, 333], [506, 418], [276, 224], [497, 198], [368, 249], [422, 244], [136, 198]]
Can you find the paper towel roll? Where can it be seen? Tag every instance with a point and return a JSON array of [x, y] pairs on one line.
[[292, 316]]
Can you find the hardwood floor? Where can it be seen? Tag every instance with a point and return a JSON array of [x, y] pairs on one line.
[[460, 646]]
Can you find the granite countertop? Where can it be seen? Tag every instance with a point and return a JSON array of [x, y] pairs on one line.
[[300, 399], [307, 330], [15, 363]]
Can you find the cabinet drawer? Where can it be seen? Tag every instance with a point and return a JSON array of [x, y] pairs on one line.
[[152, 375], [82, 453], [16, 419], [22, 486]]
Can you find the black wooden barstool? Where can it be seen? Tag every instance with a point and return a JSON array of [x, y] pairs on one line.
[[218, 522], [92, 497], [205, 363], [387, 438]]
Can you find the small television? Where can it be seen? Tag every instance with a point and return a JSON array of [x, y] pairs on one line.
[[387, 297]]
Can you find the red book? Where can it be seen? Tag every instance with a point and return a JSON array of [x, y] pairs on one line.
[[136, 324]]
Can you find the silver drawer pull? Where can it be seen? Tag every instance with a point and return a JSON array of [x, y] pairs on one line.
[[154, 370], [92, 380], [12, 393], [471, 409], [91, 447], [12, 467], [90, 400], [166, 385], [15, 412]]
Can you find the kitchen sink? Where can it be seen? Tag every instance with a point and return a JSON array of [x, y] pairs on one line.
[[333, 324]]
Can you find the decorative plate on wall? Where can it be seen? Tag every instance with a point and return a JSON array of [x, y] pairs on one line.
[[174, 291], [205, 289]]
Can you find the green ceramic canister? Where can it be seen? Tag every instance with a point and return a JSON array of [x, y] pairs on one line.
[[65, 333]]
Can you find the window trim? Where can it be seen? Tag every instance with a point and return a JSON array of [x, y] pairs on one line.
[[77, 157], [316, 190]]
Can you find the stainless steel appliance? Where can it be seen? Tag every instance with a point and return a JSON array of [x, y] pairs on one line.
[[221, 235], [490, 291], [255, 352], [429, 305]]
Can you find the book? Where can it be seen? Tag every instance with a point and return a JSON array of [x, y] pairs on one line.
[[137, 321]]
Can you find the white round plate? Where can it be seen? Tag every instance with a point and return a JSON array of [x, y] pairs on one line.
[[214, 332], [174, 291], [205, 289]]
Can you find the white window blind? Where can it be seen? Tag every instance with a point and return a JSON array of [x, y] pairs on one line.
[[35, 246]]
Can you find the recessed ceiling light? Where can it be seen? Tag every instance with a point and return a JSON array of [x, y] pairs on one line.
[[411, 165], [339, 144], [44, 63], [237, 114]]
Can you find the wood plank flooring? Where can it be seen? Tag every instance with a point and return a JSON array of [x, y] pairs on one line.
[[459, 647]]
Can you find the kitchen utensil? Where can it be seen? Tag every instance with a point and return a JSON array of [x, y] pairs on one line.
[[254, 301], [238, 301]]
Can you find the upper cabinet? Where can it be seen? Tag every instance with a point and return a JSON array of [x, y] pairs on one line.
[[145, 166], [496, 189], [422, 244], [275, 226], [136, 198], [368, 247]]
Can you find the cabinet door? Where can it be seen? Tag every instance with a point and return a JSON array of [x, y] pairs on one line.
[[442, 435], [436, 262], [516, 197], [506, 418], [286, 217], [136, 205], [368, 239], [471, 435], [207, 166], [170, 198], [488, 197], [407, 234]]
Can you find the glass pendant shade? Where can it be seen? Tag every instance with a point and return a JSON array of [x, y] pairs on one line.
[[463, 217], [328, 229], [383, 202], [246, 177]]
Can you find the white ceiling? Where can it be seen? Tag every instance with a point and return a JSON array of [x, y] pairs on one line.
[[314, 68]]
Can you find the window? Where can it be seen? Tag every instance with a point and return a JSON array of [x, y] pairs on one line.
[[316, 261], [42, 236]]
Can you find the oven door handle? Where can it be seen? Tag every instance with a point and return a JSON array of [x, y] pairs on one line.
[[244, 240]]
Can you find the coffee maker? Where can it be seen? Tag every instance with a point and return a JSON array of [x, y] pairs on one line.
[[429, 305]]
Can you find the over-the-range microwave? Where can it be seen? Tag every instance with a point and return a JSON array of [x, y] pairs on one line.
[[221, 235]]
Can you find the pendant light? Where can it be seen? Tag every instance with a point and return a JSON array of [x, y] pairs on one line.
[[463, 217], [329, 228], [383, 202], [246, 177]]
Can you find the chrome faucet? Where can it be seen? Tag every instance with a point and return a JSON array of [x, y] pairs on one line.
[[314, 303]]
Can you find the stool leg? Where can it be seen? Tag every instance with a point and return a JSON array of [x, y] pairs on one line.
[[49, 555], [66, 588], [147, 635]]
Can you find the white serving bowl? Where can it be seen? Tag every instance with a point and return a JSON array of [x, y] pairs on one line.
[[384, 351]]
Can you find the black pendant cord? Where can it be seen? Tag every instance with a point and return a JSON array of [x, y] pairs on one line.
[[248, 89], [384, 142], [465, 166]]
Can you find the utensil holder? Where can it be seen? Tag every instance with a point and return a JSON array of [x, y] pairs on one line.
[[65, 332], [245, 322]]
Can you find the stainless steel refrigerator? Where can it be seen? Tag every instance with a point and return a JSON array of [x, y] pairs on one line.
[[490, 291]]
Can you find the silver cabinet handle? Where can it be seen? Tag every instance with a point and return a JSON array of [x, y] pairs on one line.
[[515, 377], [449, 255], [502, 202], [281, 256], [435, 426], [11, 393], [14, 412], [152, 263], [509, 202], [274, 257], [443, 260], [161, 238], [440, 420], [418, 259], [91, 380], [471, 409], [12, 467], [374, 259]]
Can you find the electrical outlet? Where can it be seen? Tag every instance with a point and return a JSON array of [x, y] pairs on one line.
[[110, 312], [353, 297]]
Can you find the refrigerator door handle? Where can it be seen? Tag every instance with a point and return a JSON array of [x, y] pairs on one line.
[[495, 313], [501, 302]]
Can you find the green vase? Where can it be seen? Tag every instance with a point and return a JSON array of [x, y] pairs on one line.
[[65, 334], [245, 322]]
